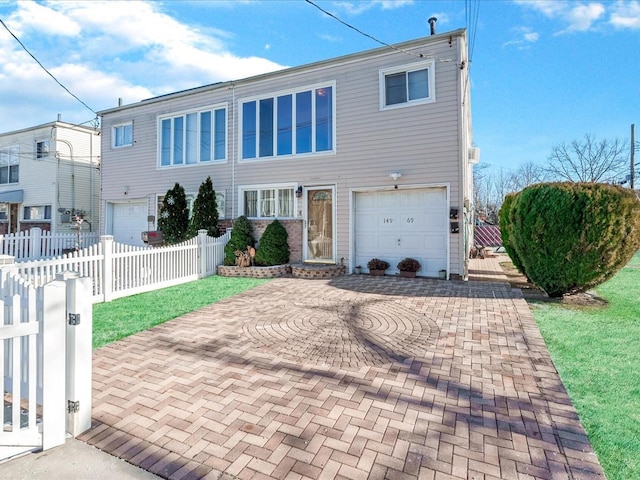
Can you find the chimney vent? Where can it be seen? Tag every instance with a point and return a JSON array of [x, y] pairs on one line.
[[120, 101], [432, 23]]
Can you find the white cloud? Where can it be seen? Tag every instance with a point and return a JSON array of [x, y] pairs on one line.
[[102, 51], [576, 16], [625, 15], [582, 17], [524, 38], [355, 8]]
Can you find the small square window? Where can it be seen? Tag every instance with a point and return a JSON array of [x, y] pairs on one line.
[[123, 135], [42, 149], [407, 85]]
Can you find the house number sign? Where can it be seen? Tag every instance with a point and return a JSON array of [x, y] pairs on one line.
[[387, 220]]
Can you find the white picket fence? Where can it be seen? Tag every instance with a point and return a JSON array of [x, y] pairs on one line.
[[36, 244], [118, 270], [45, 360]]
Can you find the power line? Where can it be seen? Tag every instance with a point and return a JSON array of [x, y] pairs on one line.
[[45, 69], [419, 55]]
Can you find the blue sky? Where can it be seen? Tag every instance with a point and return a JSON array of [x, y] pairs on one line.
[[543, 72]]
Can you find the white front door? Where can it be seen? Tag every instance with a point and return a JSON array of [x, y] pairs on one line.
[[319, 241]]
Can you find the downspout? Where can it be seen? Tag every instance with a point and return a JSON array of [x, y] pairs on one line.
[[73, 171], [233, 153], [464, 143]]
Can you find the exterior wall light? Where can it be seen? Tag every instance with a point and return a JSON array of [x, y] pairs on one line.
[[395, 175]]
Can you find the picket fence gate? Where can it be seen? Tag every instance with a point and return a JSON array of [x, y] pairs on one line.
[[117, 270], [35, 244], [45, 394]]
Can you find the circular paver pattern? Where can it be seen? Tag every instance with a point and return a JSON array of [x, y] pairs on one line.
[[338, 333]]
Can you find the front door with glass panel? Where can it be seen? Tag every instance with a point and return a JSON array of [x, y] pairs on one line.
[[320, 239]]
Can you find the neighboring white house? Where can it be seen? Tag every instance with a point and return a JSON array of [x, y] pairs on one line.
[[366, 155], [48, 174]]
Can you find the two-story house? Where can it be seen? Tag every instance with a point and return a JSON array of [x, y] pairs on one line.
[[361, 156], [48, 174]]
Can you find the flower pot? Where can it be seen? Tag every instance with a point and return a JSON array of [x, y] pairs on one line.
[[357, 270], [408, 274], [442, 273], [376, 273]]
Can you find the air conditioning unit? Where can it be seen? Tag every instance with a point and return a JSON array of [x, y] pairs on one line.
[[474, 155]]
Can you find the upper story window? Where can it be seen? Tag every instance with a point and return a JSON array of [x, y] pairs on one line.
[[39, 212], [9, 164], [122, 135], [193, 137], [268, 202], [289, 124], [42, 149], [407, 85]]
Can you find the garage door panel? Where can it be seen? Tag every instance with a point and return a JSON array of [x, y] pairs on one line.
[[129, 220], [392, 225]]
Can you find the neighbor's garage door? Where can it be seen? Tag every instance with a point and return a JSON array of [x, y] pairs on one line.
[[129, 220], [392, 225]]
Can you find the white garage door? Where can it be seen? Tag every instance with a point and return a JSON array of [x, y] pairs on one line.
[[391, 225], [128, 221]]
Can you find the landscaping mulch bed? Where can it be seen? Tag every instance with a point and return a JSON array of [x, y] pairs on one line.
[[532, 292]]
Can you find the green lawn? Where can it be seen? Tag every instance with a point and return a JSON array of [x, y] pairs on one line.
[[126, 316], [597, 352]]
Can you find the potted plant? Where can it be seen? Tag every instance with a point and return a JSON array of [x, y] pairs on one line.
[[408, 267], [357, 269], [442, 273], [377, 266]]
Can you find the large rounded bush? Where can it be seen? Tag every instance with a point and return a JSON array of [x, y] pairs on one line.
[[505, 231], [273, 248], [573, 236], [241, 237]]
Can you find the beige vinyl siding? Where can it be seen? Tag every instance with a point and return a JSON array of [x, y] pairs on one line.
[[421, 141]]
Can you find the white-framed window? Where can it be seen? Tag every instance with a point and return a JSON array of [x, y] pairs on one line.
[[193, 137], [4, 212], [9, 165], [267, 201], [37, 212], [42, 149], [296, 122], [122, 135], [407, 85]]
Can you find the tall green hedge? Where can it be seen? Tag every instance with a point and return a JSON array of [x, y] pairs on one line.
[[505, 231], [273, 248], [573, 236], [241, 237]]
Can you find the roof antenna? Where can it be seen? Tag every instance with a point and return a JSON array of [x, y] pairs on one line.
[[432, 22]]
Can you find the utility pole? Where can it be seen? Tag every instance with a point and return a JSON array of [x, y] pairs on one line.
[[633, 153]]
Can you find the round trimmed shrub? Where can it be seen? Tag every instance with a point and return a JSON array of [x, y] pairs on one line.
[[273, 247], [241, 237], [505, 231], [573, 236]]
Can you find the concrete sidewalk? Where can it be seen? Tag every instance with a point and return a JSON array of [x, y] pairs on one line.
[[75, 460]]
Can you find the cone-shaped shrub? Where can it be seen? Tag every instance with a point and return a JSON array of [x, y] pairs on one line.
[[174, 216], [574, 236], [505, 231], [205, 211], [241, 238], [273, 248]]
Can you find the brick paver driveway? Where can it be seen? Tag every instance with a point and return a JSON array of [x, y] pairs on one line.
[[357, 377]]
